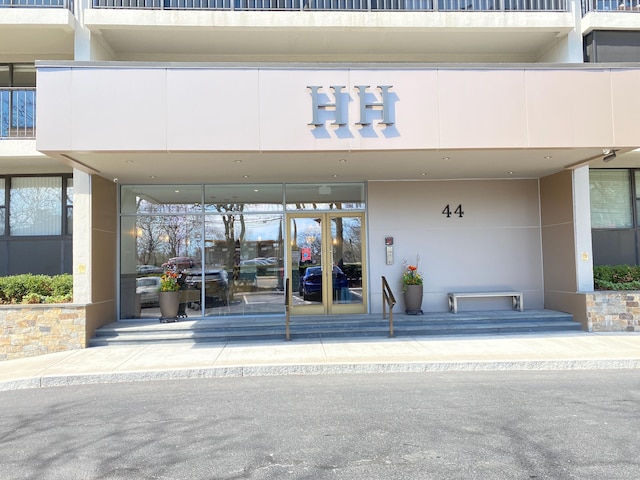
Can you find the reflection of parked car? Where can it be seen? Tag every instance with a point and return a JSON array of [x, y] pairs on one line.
[[311, 282], [148, 288], [216, 285], [178, 264], [146, 269]]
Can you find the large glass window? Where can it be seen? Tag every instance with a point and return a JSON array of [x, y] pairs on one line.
[[69, 206], [35, 206], [2, 207], [248, 198], [225, 241], [610, 192], [334, 196], [159, 199]]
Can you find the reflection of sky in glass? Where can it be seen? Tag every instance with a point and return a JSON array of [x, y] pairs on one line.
[[2, 206], [257, 227], [4, 113], [17, 109]]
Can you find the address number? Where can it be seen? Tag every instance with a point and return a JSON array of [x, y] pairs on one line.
[[458, 211]]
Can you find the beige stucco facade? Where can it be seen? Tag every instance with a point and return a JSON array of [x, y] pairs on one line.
[[515, 160]]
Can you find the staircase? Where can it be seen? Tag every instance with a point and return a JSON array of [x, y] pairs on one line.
[[230, 329]]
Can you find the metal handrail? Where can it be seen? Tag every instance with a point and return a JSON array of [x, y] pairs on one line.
[[610, 6], [68, 4], [17, 112], [387, 300], [287, 310], [342, 5]]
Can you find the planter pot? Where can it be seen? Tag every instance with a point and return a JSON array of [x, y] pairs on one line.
[[413, 299], [169, 305]]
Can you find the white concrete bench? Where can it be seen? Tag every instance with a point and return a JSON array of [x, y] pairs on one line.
[[516, 297]]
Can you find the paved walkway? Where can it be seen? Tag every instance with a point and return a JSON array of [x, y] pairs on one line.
[[579, 350]]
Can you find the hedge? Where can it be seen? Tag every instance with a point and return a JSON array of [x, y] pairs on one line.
[[29, 288], [616, 277]]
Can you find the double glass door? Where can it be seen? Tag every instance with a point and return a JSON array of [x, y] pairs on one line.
[[326, 267]]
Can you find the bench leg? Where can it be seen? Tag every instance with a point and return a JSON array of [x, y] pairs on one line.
[[453, 304], [517, 303]]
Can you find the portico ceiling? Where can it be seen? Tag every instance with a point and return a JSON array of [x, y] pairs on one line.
[[277, 167]]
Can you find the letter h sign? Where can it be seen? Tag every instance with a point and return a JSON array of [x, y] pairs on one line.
[[338, 105]]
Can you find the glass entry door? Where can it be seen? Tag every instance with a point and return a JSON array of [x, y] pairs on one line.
[[326, 263]]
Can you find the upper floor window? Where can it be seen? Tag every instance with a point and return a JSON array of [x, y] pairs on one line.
[[36, 206], [17, 100], [17, 75], [610, 192], [2, 209], [69, 206]]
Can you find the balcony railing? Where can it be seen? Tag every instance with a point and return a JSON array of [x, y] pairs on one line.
[[341, 5], [610, 6], [37, 4], [17, 112]]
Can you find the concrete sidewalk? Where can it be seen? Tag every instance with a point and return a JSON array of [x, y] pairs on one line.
[[579, 350]]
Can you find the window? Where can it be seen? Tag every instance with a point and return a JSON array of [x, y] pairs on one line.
[[35, 206], [17, 100], [610, 192], [69, 206], [2, 208]]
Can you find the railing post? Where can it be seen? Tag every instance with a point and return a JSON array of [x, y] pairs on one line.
[[388, 299], [287, 310]]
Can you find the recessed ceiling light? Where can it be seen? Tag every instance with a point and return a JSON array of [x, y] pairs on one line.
[[446, 158], [335, 175], [237, 161], [152, 176], [548, 157], [510, 172], [177, 191], [245, 176], [343, 160], [423, 173], [129, 161]]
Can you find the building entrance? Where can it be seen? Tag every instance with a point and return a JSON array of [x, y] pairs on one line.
[[326, 252], [232, 246]]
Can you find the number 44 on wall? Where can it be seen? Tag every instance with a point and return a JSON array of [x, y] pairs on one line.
[[458, 211]]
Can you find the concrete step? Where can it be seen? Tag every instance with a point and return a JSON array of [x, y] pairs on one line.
[[230, 329]]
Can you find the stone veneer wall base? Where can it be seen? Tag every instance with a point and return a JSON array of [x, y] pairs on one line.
[[613, 311], [38, 329]]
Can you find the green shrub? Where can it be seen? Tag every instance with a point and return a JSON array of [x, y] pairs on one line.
[[616, 277], [29, 288], [32, 298]]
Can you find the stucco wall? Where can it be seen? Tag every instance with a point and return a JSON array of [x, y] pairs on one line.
[[494, 246], [268, 109], [104, 240]]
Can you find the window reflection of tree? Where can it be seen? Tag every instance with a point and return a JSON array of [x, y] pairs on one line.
[[160, 237], [36, 206]]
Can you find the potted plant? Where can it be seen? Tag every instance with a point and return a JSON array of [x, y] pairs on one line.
[[412, 282], [169, 297]]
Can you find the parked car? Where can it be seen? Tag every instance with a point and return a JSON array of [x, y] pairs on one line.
[[216, 284], [147, 269], [148, 288], [311, 282], [178, 264]]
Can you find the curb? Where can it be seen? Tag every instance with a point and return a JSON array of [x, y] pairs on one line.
[[48, 381]]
